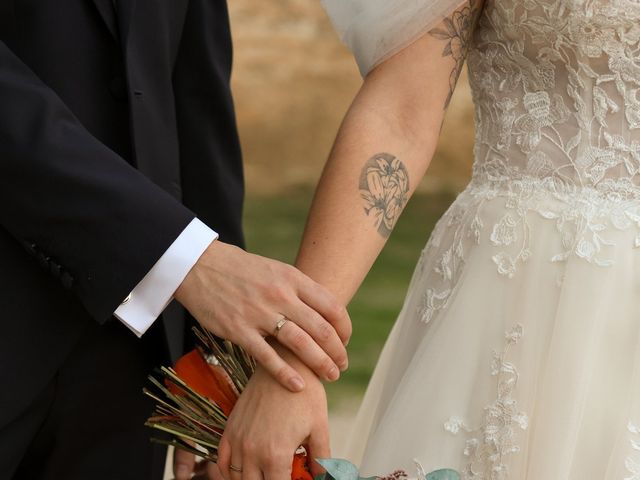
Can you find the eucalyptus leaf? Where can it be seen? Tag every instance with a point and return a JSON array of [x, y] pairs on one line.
[[443, 474], [340, 469]]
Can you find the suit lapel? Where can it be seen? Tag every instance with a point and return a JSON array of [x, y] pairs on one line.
[[118, 17], [108, 13]]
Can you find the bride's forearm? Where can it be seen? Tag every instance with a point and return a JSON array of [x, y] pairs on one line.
[[382, 150], [357, 204], [380, 154]]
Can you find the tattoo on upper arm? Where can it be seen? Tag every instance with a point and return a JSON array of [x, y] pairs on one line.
[[384, 187], [457, 33]]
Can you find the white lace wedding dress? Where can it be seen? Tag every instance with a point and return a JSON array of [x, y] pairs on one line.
[[517, 352]]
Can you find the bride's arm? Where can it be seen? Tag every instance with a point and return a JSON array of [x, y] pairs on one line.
[[381, 152]]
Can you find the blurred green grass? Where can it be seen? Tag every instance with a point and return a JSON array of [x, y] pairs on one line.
[[273, 227]]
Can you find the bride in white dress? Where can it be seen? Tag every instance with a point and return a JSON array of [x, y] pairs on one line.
[[517, 352]]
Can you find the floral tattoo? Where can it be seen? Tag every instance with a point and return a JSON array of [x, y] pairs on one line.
[[384, 187], [457, 33]]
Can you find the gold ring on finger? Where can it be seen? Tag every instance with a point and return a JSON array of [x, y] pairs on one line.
[[279, 325], [235, 469]]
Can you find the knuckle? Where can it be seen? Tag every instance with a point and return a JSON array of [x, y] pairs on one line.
[[248, 447], [276, 458], [261, 355], [300, 340], [278, 292], [278, 269], [209, 319], [239, 336], [338, 310], [325, 332], [289, 272], [228, 323], [271, 459]]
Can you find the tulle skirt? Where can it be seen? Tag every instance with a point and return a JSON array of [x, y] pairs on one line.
[[529, 373]]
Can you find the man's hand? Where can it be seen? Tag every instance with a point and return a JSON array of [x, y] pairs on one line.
[[241, 297]]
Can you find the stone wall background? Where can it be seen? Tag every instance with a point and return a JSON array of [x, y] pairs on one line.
[[293, 81]]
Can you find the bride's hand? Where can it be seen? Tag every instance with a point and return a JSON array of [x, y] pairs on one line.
[[268, 424], [264, 430]]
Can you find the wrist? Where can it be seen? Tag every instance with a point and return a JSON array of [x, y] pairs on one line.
[[191, 280], [182, 292]]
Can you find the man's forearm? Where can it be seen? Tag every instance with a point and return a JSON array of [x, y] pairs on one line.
[[88, 213]]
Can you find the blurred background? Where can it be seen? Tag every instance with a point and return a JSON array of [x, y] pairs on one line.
[[293, 81]]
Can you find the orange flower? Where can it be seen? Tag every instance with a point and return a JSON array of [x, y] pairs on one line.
[[208, 380], [300, 470]]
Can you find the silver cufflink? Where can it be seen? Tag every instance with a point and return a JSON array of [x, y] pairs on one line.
[[126, 300]]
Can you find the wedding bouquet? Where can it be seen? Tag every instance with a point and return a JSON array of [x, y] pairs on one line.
[[194, 401]]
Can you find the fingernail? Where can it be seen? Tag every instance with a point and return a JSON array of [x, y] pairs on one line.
[[182, 472], [334, 374], [297, 384], [344, 365]]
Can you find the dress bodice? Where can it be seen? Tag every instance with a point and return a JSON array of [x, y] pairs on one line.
[[555, 85]]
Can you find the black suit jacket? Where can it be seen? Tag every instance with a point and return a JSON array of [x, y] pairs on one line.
[[116, 130]]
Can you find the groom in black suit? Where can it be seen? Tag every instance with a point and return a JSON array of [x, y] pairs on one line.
[[118, 156]]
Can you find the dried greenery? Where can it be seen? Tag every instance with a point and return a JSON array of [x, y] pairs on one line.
[[194, 422]]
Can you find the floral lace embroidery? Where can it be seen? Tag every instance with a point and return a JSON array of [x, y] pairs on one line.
[[464, 225], [556, 89], [632, 465], [494, 441]]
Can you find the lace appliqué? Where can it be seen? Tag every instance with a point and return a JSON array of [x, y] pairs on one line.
[[556, 90], [462, 225], [555, 86], [494, 441]]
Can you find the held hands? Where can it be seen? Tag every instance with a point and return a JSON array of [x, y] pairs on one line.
[[268, 424], [241, 297]]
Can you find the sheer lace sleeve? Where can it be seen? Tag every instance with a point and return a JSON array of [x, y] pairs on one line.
[[376, 29]]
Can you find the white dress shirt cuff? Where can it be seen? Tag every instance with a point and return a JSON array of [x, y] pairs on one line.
[[151, 296]]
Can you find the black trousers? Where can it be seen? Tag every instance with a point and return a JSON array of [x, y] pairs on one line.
[[87, 423]]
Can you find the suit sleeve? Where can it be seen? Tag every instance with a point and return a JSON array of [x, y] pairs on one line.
[[90, 218]]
